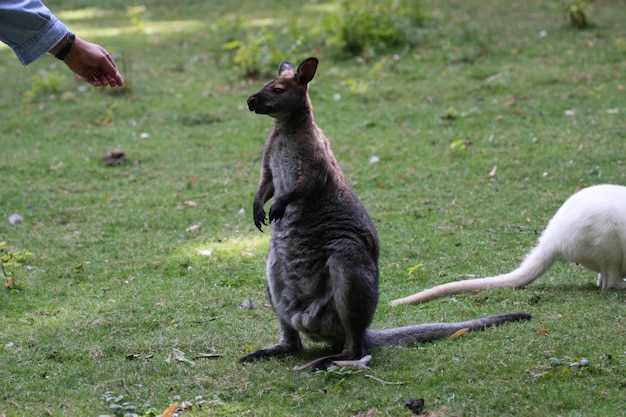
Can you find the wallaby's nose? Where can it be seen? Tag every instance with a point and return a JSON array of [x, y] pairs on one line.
[[252, 101]]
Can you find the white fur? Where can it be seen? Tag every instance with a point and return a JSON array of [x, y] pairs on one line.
[[589, 229]]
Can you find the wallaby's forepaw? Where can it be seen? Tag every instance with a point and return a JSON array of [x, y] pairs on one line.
[[258, 214], [277, 211]]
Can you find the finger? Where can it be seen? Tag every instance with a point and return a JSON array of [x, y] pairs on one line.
[[96, 79], [109, 68]]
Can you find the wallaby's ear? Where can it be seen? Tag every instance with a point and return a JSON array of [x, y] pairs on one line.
[[284, 66], [306, 70]]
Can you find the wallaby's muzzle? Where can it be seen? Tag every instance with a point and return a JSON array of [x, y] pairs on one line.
[[255, 105]]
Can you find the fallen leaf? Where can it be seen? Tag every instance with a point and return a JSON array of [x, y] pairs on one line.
[[414, 268], [190, 203], [543, 331], [209, 355], [179, 355], [115, 157], [169, 412], [194, 228], [10, 282], [459, 333], [493, 171], [511, 101], [247, 304]]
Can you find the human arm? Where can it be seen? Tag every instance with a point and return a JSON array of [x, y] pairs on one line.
[[31, 30], [90, 61]]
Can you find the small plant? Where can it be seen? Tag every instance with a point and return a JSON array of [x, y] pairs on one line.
[[44, 85], [362, 25], [137, 16], [576, 13], [252, 55], [9, 262]]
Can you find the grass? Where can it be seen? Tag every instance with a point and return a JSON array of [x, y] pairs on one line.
[[116, 281]]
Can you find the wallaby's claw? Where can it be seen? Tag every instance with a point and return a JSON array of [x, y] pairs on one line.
[[277, 211], [258, 223], [258, 215]]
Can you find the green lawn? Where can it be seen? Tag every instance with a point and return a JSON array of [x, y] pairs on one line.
[[481, 127]]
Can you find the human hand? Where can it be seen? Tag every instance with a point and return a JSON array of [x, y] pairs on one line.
[[94, 64]]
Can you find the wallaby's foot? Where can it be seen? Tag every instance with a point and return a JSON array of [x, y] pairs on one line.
[[269, 352]]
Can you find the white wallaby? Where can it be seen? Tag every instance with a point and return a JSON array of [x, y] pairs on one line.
[[589, 229]]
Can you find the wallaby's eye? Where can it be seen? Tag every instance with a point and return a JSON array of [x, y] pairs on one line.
[[278, 90]]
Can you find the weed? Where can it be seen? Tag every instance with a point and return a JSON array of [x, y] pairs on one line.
[[137, 16], [253, 55], [10, 261], [576, 13], [362, 26], [44, 85]]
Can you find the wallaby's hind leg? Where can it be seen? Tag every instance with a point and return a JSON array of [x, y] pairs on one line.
[[289, 342], [355, 282], [611, 278]]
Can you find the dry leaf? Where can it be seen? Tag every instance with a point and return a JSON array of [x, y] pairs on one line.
[[194, 228], [169, 412], [179, 355], [9, 283], [247, 304], [115, 157], [459, 333], [543, 331], [209, 355]]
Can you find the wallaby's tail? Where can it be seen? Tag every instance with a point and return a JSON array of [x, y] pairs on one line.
[[433, 331], [536, 263]]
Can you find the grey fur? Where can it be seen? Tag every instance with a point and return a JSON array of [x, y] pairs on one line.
[[322, 266]]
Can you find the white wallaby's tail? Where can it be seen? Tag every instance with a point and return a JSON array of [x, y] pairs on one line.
[[536, 263]]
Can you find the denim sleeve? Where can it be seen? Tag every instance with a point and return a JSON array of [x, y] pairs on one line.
[[29, 28]]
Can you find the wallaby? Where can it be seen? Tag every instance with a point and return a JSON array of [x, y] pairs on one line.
[[588, 229], [322, 266]]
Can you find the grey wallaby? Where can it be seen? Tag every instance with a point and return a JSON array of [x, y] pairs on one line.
[[322, 266]]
